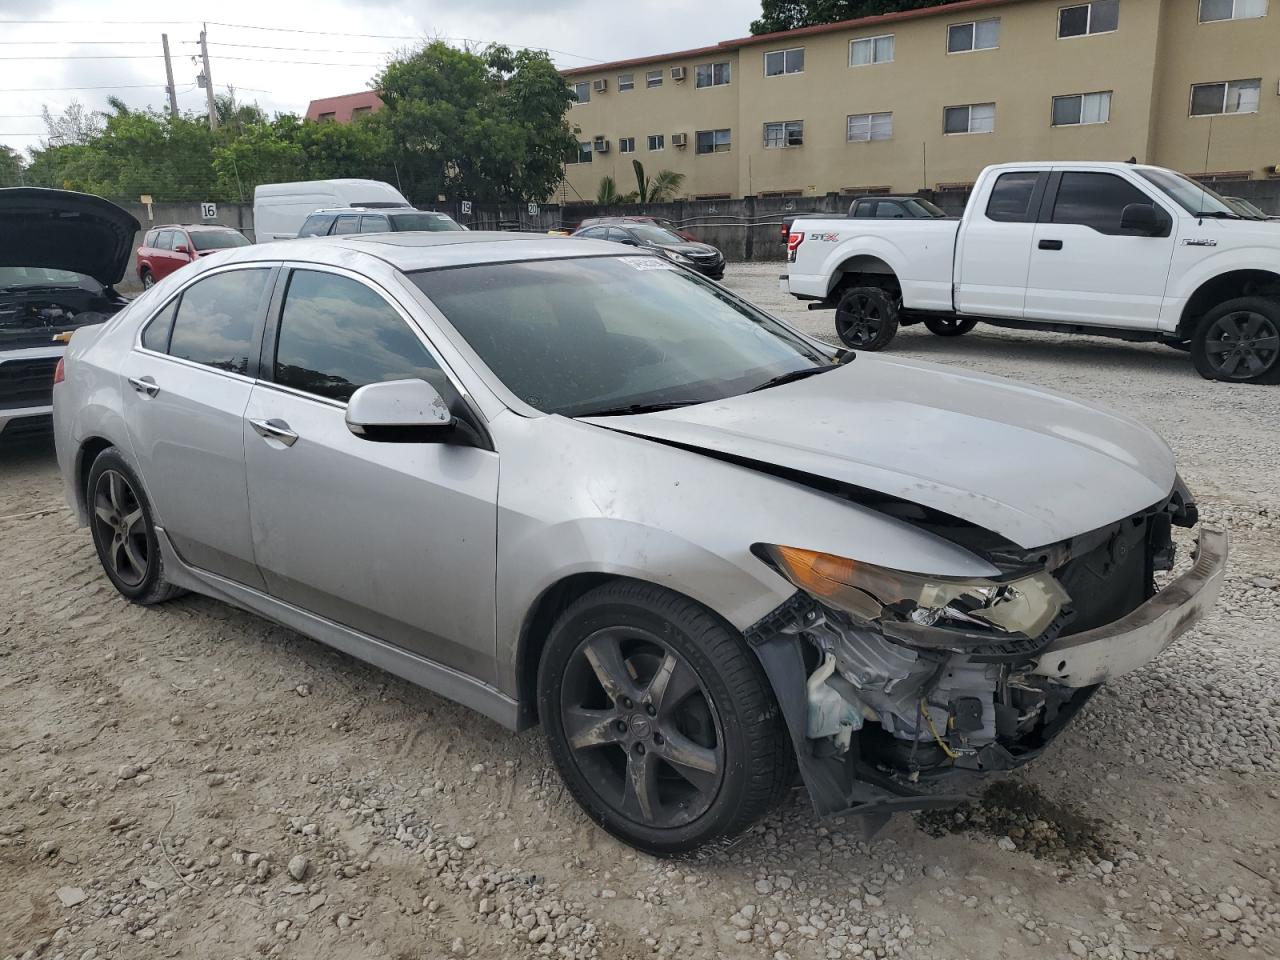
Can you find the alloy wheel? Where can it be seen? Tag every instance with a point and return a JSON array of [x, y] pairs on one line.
[[121, 527], [642, 728], [859, 319], [1241, 345], [148, 281]]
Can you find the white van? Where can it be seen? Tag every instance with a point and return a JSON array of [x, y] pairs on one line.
[[279, 209]]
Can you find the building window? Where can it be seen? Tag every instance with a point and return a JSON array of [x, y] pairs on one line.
[[1214, 10], [1100, 16], [584, 153], [1082, 108], [653, 79], [1234, 96], [971, 118], [626, 81], [779, 194], [976, 35], [327, 117], [657, 141], [784, 133], [871, 50], [712, 74], [779, 62], [582, 91], [870, 126], [360, 111], [713, 141], [626, 144], [712, 196]]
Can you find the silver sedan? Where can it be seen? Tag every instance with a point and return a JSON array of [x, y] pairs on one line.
[[566, 483]]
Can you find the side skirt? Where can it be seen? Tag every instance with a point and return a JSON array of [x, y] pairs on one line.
[[437, 678]]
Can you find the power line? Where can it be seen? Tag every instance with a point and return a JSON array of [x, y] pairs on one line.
[[76, 43], [258, 46], [93, 56]]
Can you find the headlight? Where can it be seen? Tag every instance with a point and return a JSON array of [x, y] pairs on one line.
[[935, 611], [678, 257]]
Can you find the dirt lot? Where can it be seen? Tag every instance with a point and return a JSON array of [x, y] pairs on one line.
[[193, 781]]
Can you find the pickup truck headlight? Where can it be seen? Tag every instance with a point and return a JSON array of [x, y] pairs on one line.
[[921, 609]]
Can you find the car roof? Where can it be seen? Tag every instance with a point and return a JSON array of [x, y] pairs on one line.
[[192, 226], [423, 251], [397, 209]]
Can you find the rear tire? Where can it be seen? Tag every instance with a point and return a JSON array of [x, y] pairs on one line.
[[949, 326], [866, 318], [123, 531], [148, 281], [660, 720], [1239, 341]]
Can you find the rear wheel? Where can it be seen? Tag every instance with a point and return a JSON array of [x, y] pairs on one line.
[[659, 719], [866, 318], [949, 326], [148, 281], [123, 532], [1239, 341]]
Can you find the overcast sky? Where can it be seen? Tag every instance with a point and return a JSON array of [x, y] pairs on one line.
[[576, 32]]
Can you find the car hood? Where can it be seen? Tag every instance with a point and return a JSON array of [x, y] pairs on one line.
[[1032, 466], [694, 249], [65, 230]]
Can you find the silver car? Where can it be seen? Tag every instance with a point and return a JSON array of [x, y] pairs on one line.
[[563, 482]]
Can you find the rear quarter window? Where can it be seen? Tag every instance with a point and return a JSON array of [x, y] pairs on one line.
[[217, 318]]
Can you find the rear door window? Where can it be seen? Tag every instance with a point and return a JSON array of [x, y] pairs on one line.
[[164, 240], [374, 224], [1010, 200], [217, 317], [347, 223], [336, 335]]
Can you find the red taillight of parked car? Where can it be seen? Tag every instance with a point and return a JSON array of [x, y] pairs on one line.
[[794, 239], [60, 371]]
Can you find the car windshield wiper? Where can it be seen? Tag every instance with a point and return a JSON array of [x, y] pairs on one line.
[[1218, 215], [36, 288], [633, 408], [793, 376]]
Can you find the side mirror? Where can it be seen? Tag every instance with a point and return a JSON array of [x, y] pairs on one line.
[[630, 242], [400, 411], [1140, 219]]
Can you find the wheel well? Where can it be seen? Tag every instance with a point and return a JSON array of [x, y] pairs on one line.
[[89, 451], [1226, 286], [865, 270], [537, 625]]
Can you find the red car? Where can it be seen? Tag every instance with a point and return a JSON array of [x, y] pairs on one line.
[[165, 249]]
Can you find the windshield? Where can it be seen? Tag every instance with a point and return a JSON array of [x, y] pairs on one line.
[[424, 221], [1246, 208], [595, 335], [1193, 197], [15, 278], [218, 239], [653, 234], [923, 208]]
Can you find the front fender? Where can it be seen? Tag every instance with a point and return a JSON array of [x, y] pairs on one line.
[[1184, 283]]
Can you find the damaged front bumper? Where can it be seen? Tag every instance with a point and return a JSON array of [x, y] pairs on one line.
[[874, 775]]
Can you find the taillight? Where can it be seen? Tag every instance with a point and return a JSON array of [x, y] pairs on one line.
[[793, 243], [60, 371]]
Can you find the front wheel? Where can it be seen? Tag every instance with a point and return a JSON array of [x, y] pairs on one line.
[[148, 281], [659, 719], [949, 326], [1239, 341], [866, 318]]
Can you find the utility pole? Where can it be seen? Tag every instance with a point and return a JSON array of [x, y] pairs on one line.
[[208, 78], [168, 75]]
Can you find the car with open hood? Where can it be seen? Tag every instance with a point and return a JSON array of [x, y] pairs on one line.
[[574, 484], [61, 254]]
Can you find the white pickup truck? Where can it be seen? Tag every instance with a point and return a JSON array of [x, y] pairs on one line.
[[1120, 250]]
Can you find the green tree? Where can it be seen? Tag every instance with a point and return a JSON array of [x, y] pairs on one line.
[[11, 166], [659, 188], [489, 126], [778, 15]]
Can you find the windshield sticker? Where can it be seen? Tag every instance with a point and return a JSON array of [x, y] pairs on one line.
[[648, 263]]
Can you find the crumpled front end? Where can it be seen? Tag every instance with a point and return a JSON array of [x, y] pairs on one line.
[[888, 700]]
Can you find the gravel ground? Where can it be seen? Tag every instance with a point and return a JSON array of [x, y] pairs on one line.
[[193, 781]]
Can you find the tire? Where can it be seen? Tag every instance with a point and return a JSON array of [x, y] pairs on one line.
[[148, 281], [123, 532], [866, 318], [949, 326], [1239, 341], [639, 685]]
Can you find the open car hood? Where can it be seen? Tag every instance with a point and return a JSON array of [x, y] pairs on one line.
[[65, 230], [1033, 466]]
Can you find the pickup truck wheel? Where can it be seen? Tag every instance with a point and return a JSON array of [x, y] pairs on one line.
[[866, 318], [949, 326], [1239, 341]]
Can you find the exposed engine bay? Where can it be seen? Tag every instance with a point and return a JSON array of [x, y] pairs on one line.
[[890, 682], [31, 317]]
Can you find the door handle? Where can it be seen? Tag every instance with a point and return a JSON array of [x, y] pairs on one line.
[[274, 430], [1050, 244], [145, 385]]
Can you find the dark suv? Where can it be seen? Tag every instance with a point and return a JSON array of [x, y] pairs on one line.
[[344, 220]]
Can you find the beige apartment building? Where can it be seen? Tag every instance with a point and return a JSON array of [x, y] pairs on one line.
[[926, 98]]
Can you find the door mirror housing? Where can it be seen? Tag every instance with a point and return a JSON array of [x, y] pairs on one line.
[[183, 249], [1140, 219], [400, 411]]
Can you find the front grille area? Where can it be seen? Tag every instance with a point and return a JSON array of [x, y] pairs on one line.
[[1110, 580], [26, 383]]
